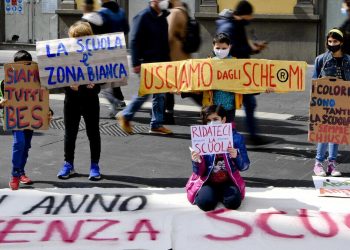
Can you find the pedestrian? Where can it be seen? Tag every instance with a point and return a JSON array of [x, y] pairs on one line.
[[177, 21], [334, 62], [21, 138], [233, 23], [81, 101], [149, 43], [216, 177], [110, 18], [227, 100], [345, 27]]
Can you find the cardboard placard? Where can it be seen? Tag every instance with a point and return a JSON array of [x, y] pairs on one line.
[[83, 60], [332, 186], [211, 139], [27, 104], [234, 75], [329, 111]]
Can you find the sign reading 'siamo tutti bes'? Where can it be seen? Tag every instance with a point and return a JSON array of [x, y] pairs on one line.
[[27, 104], [83, 60], [211, 139]]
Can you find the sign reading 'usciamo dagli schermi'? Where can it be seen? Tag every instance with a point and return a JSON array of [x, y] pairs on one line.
[[211, 139], [83, 60]]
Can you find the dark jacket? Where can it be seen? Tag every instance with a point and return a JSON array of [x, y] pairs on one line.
[[345, 28], [114, 18], [236, 31], [149, 38]]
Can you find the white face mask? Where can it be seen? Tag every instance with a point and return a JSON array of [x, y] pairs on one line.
[[344, 11], [214, 123], [163, 5], [222, 53]]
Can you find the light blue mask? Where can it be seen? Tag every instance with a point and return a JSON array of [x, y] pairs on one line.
[[344, 12], [214, 123]]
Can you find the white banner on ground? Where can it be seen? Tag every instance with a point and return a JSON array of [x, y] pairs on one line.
[[162, 219], [83, 60], [332, 186]]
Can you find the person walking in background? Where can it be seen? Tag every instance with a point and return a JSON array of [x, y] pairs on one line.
[[337, 64], [216, 177], [177, 21], [233, 24], [81, 101], [149, 42], [345, 27]]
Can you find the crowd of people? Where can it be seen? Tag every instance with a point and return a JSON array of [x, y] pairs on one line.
[[157, 35]]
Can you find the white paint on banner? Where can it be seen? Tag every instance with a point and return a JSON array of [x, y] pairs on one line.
[[83, 60], [158, 219]]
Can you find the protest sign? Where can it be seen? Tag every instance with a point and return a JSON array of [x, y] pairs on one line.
[[332, 186], [83, 60], [28, 103], [234, 75], [329, 111], [211, 139]]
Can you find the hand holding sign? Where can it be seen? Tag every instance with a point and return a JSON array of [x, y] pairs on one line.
[[233, 152], [195, 156], [3, 103]]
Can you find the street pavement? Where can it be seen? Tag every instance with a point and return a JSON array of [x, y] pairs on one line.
[[144, 160]]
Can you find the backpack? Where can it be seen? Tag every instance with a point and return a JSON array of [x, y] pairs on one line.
[[192, 40]]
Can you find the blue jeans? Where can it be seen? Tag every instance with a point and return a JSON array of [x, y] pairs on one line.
[[249, 103], [332, 151], [157, 109], [209, 196], [20, 148]]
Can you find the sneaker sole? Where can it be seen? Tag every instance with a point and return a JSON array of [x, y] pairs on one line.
[[64, 177], [159, 133], [94, 178], [26, 183]]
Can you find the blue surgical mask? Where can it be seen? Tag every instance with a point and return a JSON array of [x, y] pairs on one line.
[[214, 123], [344, 11]]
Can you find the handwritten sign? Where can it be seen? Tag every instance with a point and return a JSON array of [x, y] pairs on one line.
[[211, 139], [332, 186], [329, 111], [234, 75], [28, 103], [83, 60]]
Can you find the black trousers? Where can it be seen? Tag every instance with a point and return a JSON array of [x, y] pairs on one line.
[[117, 93], [77, 104]]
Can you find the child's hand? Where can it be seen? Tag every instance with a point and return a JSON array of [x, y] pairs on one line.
[[3, 103], [90, 86], [232, 152], [49, 117], [270, 90], [195, 156], [74, 87]]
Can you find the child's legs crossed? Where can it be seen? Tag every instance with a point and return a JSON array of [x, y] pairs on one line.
[[207, 198]]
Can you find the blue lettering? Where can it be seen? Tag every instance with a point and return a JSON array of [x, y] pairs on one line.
[[118, 42], [10, 75], [79, 42], [50, 80], [80, 74], [109, 71], [115, 70], [91, 74], [10, 119], [48, 54], [70, 72], [122, 71], [87, 44], [94, 45], [103, 43], [61, 49], [18, 95], [103, 72], [60, 74]]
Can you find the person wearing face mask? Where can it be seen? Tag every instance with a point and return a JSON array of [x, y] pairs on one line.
[[228, 100], [149, 43], [345, 27], [216, 177], [233, 23], [333, 63]]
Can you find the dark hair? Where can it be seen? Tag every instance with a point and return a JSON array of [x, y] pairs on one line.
[[207, 111], [335, 35], [222, 38], [243, 8], [347, 2], [22, 55]]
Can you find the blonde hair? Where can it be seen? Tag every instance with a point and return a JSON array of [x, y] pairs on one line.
[[79, 29]]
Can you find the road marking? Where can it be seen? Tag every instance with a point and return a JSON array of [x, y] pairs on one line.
[[188, 108]]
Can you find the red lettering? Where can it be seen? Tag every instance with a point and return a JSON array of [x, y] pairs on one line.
[[291, 73], [20, 117], [262, 222], [333, 228], [160, 77], [166, 76], [183, 76], [137, 230], [37, 117], [219, 75], [247, 74], [59, 226], [145, 79], [108, 223], [264, 76], [10, 112], [247, 229], [194, 70], [272, 76], [205, 72], [9, 229]]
